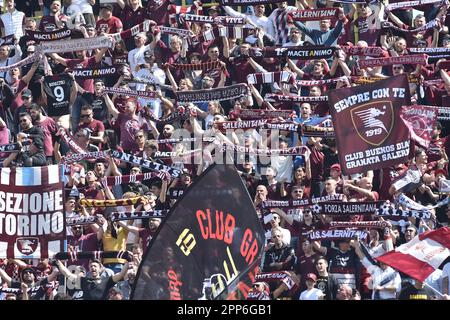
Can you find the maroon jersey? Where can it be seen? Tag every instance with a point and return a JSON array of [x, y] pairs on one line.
[[131, 18], [112, 25], [48, 24], [86, 84]]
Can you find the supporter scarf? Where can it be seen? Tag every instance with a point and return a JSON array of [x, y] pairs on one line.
[[359, 224], [293, 151], [430, 51], [131, 93], [409, 4], [174, 116], [347, 208], [227, 32], [81, 221], [90, 255], [133, 178], [297, 53], [366, 80], [314, 14], [316, 131], [223, 20], [271, 77], [247, 2], [30, 59], [276, 277], [274, 97], [14, 147], [70, 141], [391, 211], [411, 204], [95, 73], [77, 157], [409, 59], [76, 44], [120, 216], [127, 34], [7, 40], [183, 33], [335, 234], [145, 163], [429, 25], [245, 124], [363, 51], [225, 93], [19, 290], [181, 139], [110, 202], [302, 202], [310, 83], [433, 82], [260, 114], [205, 66], [49, 36]]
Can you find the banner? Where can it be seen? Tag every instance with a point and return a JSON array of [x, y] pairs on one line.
[[145, 163], [422, 255], [32, 224], [334, 234], [420, 121], [347, 208], [223, 20], [120, 216], [49, 36], [421, 59], [210, 238], [76, 44], [369, 132], [94, 73], [314, 14], [225, 93]]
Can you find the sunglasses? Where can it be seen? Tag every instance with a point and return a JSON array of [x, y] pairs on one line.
[[85, 115]]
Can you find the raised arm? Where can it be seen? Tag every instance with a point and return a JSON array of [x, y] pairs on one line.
[[294, 68], [58, 59], [66, 272], [119, 276], [27, 78], [110, 105], [5, 277]]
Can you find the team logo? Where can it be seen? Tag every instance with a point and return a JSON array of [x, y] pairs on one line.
[[373, 121], [27, 245]]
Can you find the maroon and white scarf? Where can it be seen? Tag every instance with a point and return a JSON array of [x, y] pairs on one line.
[[126, 179], [314, 14], [271, 77], [183, 33], [227, 32], [430, 25], [293, 151], [70, 141], [297, 53], [264, 114], [247, 2], [430, 51], [225, 93], [181, 139], [127, 34], [30, 59], [223, 20], [317, 131], [334, 234], [110, 202], [81, 221], [409, 4], [77, 157], [274, 97], [347, 208], [89, 255], [131, 93], [94, 73], [257, 123], [268, 204], [205, 66], [76, 44], [375, 52], [49, 36], [310, 83], [120, 216], [359, 224], [421, 59]]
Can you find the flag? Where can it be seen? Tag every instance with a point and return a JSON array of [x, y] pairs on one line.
[[422, 255], [369, 132], [32, 221], [211, 237], [420, 121]]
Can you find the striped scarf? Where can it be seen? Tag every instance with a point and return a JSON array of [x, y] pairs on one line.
[[281, 26], [30, 59], [271, 77], [227, 32], [70, 141], [133, 178], [121, 216], [89, 255], [110, 202], [127, 34]]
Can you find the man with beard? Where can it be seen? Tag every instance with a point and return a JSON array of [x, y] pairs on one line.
[[437, 144], [97, 101], [94, 287], [280, 257], [52, 22], [48, 126], [36, 289], [95, 126]]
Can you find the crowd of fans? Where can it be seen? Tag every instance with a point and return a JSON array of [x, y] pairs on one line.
[[101, 121]]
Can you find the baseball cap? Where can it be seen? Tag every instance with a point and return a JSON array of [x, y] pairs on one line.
[[311, 276], [336, 166], [106, 6], [26, 93]]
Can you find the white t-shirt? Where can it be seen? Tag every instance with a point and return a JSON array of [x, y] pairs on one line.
[[313, 294]]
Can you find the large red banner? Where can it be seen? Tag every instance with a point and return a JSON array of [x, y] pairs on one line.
[[32, 223], [369, 132]]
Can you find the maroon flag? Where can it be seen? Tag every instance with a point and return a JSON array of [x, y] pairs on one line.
[[369, 132], [422, 255], [420, 121], [32, 223]]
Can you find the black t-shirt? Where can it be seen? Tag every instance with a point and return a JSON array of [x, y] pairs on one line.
[[58, 88], [323, 284], [35, 294], [412, 293], [341, 262], [96, 289], [279, 255], [98, 106]]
